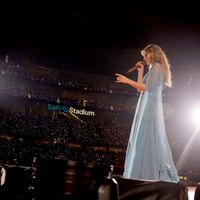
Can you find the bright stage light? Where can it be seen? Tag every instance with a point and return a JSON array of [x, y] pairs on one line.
[[195, 116], [191, 193]]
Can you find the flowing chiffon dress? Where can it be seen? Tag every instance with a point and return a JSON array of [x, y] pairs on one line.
[[148, 154]]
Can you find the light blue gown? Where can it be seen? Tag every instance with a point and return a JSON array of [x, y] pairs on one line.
[[148, 154]]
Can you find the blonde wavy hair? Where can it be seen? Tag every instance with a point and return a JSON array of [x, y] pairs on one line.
[[159, 56]]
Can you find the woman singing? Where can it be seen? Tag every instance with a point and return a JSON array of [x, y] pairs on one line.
[[148, 154]]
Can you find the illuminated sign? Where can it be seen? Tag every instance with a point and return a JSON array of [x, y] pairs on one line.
[[60, 108], [81, 112]]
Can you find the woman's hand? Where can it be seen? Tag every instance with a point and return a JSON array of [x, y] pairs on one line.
[[121, 79], [140, 67]]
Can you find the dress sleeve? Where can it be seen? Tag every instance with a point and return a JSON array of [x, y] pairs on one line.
[[155, 78]]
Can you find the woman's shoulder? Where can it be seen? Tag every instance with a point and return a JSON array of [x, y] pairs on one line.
[[156, 65]]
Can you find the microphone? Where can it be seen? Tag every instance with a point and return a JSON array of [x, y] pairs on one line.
[[133, 68]]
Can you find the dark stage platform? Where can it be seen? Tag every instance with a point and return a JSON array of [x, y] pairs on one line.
[[150, 190]]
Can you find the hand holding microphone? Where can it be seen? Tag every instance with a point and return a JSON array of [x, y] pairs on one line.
[[138, 65]]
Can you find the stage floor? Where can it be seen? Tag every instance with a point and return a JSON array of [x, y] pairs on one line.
[[153, 190]]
